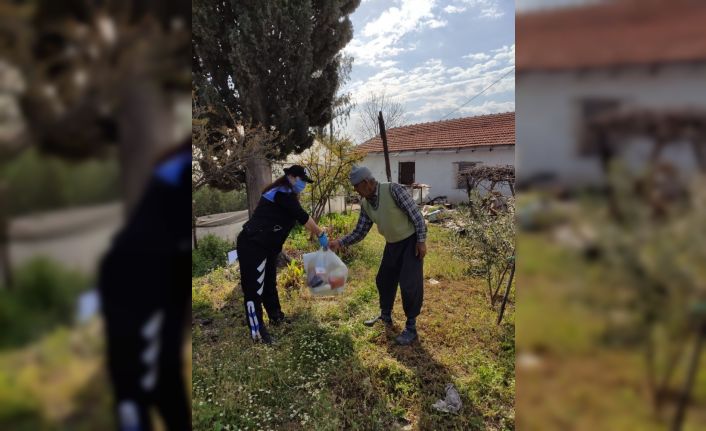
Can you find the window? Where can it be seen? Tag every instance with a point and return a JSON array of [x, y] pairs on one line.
[[460, 168], [406, 173], [589, 109]]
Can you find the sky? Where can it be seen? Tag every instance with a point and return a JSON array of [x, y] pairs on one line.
[[433, 56]]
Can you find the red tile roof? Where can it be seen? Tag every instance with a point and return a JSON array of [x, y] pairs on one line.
[[492, 129], [617, 33]]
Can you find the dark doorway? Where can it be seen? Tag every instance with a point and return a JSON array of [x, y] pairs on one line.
[[406, 173]]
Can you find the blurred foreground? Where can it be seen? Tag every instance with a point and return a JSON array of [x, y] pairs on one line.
[[611, 167], [93, 102]]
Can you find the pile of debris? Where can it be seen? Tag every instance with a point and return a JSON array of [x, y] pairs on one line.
[[457, 226], [445, 216], [436, 213]]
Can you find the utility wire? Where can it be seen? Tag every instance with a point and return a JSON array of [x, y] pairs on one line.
[[483, 91]]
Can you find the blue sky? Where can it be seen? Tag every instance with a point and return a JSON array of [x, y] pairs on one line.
[[433, 55]]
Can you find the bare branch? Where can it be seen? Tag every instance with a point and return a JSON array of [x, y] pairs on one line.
[[393, 112]]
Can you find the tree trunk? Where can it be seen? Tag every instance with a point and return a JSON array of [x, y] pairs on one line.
[[258, 175], [145, 133], [507, 293], [690, 379], [5, 238], [500, 284]]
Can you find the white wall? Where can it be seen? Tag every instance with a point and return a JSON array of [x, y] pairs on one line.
[[548, 120], [437, 168]]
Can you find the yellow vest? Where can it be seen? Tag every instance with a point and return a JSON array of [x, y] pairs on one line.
[[393, 222]]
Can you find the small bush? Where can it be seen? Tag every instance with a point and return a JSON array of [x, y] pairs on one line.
[[292, 276], [44, 295], [211, 254], [298, 242], [338, 225]]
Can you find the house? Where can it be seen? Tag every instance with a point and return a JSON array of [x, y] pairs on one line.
[[434, 153], [579, 62]]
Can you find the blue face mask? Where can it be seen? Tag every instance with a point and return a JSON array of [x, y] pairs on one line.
[[299, 185]]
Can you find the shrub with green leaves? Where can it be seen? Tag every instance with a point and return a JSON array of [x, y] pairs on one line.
[[489, 241], [292, 276], [44, 295], [211, 254]]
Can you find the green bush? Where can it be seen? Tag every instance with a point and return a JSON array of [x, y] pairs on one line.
[[211, 201], [338, 225], [211, 254], [37, 182], [44, 295]]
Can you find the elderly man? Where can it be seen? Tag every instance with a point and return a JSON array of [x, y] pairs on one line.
[[398, 219]]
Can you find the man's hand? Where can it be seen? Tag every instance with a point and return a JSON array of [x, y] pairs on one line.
[[334, 245], [421, 250]]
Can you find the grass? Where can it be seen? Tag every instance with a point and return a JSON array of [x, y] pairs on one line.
[[56, 383], [579, 381], [52, 372], [327, 371]]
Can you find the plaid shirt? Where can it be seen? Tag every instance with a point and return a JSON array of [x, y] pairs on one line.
[[403, 200]]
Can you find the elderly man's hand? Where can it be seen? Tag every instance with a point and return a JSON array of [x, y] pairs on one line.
[[421, 250], [334, 245]]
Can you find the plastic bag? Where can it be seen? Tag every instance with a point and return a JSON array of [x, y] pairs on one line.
[[326, 273]]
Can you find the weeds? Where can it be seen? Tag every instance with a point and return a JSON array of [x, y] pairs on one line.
[[211, 254], [327, 371]]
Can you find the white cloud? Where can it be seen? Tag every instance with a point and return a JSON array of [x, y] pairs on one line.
[[492, 12], [434, 23], [480, 56], [488, 8], [398, 21], [488, 107], [381, 39], [506, 53], [433, 89], [454, 9]]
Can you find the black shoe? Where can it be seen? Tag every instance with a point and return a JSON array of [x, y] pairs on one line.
[[280, 319], [385, 319], [262, 336], [266, 338], [406, 337]]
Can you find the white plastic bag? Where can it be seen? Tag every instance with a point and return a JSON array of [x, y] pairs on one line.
[[326, 273]]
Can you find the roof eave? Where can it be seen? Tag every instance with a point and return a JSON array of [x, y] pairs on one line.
[[429, 150]]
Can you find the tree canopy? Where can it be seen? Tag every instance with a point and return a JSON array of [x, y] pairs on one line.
[[274, 64]]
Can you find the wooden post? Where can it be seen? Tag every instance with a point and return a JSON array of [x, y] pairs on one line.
[[383, 136]]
